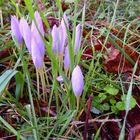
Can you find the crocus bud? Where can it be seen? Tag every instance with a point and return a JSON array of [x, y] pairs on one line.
[[77, 38], [59, 79], [39, 23], [15, 29], [65, 18], [77, 81], [35, 33], [60, 41], [26, 33], [55, 39], [66, 59], [64, 24], [36, 53]]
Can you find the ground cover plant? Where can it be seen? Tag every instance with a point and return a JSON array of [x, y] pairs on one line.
[[69, 69]]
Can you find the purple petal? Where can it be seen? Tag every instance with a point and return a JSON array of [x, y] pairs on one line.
[[77, 81], [59, 79], [66, 58], [55, 39], [35, 33], [61, 40], [63, 25], [15, 29], [39, 22], [26, 33], [36, 54], [65, 18], [77, 38], [40, 43]]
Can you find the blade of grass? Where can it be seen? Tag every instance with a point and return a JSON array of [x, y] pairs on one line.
[[127, 103], [35, 131], [122, 51], [11, 128]]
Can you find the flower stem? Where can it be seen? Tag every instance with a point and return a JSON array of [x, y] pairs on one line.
[[1, 18], [78, 102], [43, 82], [37, 76]]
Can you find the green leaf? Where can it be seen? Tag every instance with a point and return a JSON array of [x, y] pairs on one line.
[[106, 106], [30, 7], [114, 109], [11, 128], [1, 2], [120, 105], [19, 84], [133, 102], [95, 110], [111, 90], [5, 78], [112, 101], [102, 97]]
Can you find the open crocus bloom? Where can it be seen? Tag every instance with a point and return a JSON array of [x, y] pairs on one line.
[[15, 29], [77, 81], [26, 33]]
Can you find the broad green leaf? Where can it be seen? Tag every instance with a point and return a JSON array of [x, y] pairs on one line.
[[112, 101], [19, 84], [5, 78], [111, 90], [120, 105]]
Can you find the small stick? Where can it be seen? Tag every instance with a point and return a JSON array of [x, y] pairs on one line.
[[87, 116]]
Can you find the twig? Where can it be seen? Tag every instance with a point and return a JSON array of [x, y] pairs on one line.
[[96, 120], [87, 116]]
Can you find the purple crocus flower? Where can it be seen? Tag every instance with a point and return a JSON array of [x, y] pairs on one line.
[[59, 35], [77, 81], [26, 33], [55, 39], [60, 40], [66, 58], [57, 42], [36, 53], [39, 23], [35, 33], [77, 38], [59, 79], [65, 18], [15, 29], [64, 23]]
